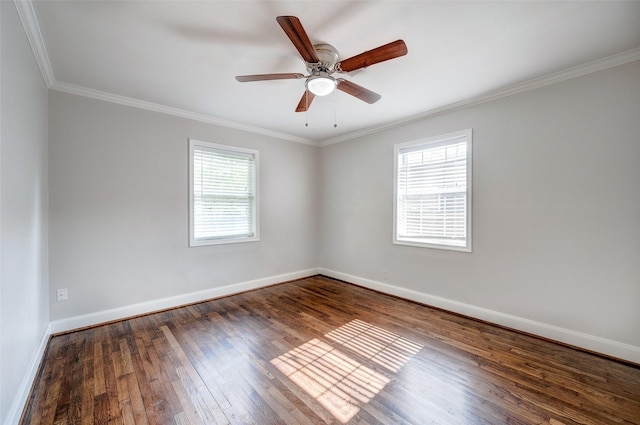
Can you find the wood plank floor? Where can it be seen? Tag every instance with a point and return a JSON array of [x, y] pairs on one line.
[[320, 351]]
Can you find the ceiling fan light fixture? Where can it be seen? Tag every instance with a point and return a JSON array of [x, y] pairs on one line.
[[321, 84]]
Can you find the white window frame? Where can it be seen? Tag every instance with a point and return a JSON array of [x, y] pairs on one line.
[[199, 144], [433, 142]]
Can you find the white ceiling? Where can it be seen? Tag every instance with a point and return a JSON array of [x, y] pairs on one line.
[[183, 55]]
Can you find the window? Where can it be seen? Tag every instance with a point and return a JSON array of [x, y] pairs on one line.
[[432, 199], [223, 201]]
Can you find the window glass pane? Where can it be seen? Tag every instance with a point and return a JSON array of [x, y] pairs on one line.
[[223, 198], [432, 193]]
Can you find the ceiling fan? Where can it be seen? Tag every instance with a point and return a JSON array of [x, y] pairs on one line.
[[322, 61]]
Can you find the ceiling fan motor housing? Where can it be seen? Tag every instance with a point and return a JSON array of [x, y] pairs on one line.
[[328, 56]]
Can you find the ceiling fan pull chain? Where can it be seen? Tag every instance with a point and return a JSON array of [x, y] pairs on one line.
[[335, 108], [306, 111]]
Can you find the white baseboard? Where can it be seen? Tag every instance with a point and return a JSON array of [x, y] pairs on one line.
[[567, 336], [63, 325], [77, 322], [22, 394], [589, 342]]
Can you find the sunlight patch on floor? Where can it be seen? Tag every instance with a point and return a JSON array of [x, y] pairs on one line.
[[383, 347], [340, 383]]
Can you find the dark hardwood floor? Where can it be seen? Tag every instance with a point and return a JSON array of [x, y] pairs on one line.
[[320, 351]]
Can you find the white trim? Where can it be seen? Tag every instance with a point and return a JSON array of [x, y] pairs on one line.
[[567, 336], [30, 23], [556, 77], [120, 313], [20, 400], [425, 143], [34, 35], [77, 322], [238, 151], [32, 30], [182, 113]]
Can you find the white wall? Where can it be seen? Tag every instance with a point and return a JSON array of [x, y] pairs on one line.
[[556, 236], [119, 213], [24, 308]]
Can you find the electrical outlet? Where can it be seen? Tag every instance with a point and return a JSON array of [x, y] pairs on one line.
[[61, 294], [385, 275]]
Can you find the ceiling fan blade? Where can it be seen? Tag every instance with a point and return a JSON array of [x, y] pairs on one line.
[[379, 54], [296, 33], [305, 102], [265, 77], [358, 91]]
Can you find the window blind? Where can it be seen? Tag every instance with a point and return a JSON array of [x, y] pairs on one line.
[[432, 193], [223, 197]]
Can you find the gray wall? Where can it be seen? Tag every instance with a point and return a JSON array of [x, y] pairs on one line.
[[556, 236], [556, 239], [119, 208], [24, 308]]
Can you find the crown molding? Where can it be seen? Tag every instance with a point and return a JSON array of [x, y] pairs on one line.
[[567, 74], [156, 107], [34, 35], [32, 29]]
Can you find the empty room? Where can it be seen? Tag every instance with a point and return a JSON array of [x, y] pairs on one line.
[[319, 212]]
